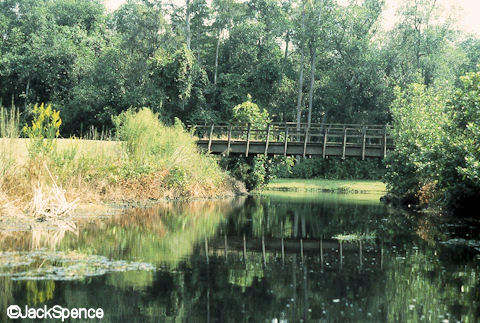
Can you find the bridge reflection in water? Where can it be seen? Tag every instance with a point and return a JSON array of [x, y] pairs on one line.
[[317, 249], [288, 139]]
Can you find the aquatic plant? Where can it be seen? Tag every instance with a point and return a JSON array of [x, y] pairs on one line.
[[58, 265], [355, 237]]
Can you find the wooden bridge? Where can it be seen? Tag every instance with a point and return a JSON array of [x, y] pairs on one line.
[[288, 139]]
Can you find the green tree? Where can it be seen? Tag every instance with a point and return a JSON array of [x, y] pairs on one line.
[[250, 113]]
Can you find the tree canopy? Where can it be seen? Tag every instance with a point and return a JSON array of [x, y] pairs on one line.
[[315, 60]]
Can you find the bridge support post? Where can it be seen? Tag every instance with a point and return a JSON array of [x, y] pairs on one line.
[[267, 140], [325, 135], [344, 146], [248, 139], [229, 139], [385, 142], [364, 140], [210, 138], [286, 141], [305, 142]]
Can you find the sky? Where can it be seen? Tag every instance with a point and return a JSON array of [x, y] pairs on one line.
[[468, 12]]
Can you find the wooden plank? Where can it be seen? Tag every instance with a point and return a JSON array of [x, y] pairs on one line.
[[305, 142], [364, 140], [325, 135], [248, 139], [229, 139], [285, 143], [267, 139], [210, 139], [344, 143]]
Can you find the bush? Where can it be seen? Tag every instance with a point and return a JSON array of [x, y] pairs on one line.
[[437, 135], [281, 167], [44, 129], [250, 113], [335, 168], [254, 171], [150, 147]]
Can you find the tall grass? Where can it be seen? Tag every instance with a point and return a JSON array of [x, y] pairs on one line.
[[152, 147], [9, 129], [9, 123], [148, 160]]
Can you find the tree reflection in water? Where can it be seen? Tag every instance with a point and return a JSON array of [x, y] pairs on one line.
[[398, 276]]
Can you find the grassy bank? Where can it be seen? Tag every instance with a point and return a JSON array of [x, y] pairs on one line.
[[43, 178], [325, 185]]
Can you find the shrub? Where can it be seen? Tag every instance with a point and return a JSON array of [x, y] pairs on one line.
[[43, 131], [436, 135], [149, 146], [249, 112], [336, 168], [281, 166], [253, 170]]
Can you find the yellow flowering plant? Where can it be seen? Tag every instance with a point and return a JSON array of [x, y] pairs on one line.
[[43, 130]]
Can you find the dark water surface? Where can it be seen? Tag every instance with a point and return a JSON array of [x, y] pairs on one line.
[[289, 257]]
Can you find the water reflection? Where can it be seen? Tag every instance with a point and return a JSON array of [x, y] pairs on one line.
[[314, 257]]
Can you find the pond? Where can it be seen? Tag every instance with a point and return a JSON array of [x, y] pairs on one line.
[[281, 256]]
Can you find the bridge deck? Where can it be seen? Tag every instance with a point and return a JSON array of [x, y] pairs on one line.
[[361, 141]]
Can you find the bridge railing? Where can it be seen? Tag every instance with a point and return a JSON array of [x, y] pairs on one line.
[[279, 131], [329, 134]]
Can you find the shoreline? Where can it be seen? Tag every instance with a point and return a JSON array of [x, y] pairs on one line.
[[21, 221], [326, 186]]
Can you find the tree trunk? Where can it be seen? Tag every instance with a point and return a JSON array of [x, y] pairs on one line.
[[216, 59], [313, 52], [300, 77], [300, 90], [187, 20], [27, 91]]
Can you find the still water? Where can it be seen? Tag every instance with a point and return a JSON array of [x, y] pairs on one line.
[[279, 257]]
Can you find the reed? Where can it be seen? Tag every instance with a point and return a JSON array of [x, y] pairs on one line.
[[9, 122]]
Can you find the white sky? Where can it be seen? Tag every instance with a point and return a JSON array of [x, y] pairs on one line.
[[468, 12]]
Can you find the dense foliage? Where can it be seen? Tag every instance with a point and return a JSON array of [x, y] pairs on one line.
[[318, 60], [336, 168], [437, 155]]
